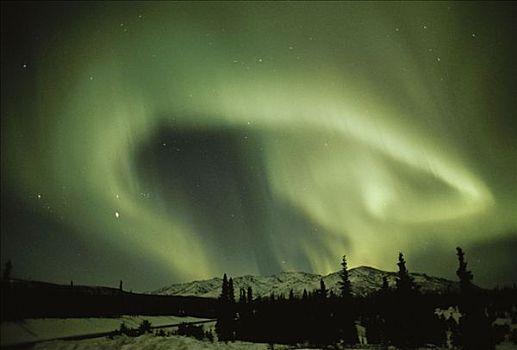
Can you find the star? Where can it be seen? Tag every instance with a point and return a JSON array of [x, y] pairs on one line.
[[107, 135]]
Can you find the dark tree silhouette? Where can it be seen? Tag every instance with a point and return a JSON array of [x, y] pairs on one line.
[[250, 295], [345, 313], [225, 325], [344, 283], [464, 275], [145, 327], [224, 290], [405, 283], [402, 313], [410, 319], [474, 329], [231, 292], [120, 286], [385, 285], [323, 289]]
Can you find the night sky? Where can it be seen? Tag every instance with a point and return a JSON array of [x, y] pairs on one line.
[[163, 142]]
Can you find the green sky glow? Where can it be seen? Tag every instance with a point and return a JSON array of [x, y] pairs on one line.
[[363, 128]]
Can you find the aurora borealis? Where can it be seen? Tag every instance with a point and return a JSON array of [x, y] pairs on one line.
[[164, 142]]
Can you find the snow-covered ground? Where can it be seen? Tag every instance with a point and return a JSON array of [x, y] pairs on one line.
[[506, 346], [31, 330], [151, 342]]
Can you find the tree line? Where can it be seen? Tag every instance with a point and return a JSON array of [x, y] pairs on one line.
[[402, 316]]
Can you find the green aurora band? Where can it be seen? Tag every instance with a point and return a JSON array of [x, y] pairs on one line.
[[386, 126]]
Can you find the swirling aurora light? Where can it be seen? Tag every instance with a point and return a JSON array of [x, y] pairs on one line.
[[356, 119]]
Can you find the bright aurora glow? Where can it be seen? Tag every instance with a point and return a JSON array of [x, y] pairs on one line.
[[163, 142]]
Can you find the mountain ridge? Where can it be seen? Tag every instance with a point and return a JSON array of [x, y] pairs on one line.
[[364, 280]]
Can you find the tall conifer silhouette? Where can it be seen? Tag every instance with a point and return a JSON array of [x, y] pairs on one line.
[[323, 289], [344, 282], [226, 312], [463, 274], [231, 292], [475, 329], [224, 289], [250, 295], [405, 283]]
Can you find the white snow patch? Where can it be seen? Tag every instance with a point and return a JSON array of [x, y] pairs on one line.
[[30, 330], [151, 342], [506, 346]]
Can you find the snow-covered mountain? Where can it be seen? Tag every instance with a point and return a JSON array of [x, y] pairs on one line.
[[364, 280]]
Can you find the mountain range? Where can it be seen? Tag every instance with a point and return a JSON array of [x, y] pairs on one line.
[[364, 280]]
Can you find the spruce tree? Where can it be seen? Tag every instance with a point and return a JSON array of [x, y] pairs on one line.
[[323, 289], [385, 285], [250, 295], [474, 330], [405, 282], [345, 314], [403, 315], [226, 314], [224, 289], [464, 275], [376, 329], [231, 293], [344, 283]]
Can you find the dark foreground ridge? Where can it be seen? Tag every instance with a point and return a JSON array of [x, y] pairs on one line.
[[357, 306], [32, 299]]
